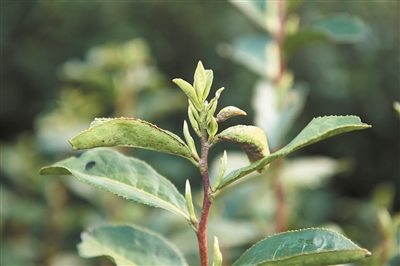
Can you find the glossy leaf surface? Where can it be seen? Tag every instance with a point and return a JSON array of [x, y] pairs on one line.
[[303, 247], [124, 176], [129, 245], [130, 132], [318, 129]]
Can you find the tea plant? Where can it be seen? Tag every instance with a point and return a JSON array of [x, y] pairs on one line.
[[135, 180]]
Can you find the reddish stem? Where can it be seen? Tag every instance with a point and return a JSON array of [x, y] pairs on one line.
[[280, 221], [202, 229]]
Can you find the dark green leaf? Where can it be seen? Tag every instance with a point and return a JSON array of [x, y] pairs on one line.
[[129, 245], [303, 247], [127, 177], [301, 39], [318, 129]]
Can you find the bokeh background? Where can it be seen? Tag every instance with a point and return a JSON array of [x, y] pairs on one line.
[[64, 63]]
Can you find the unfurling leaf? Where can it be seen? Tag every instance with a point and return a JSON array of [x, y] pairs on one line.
[[212, 127], [251, 139], [213, 104], [189, 204], [200, 81], [217, 253], [222, 168], [228, 112], [124, 176], [131, 132], [189, 91], [129, 245], [209, 80], [189, 140], [193, 122], [312, 246], [193, 110]]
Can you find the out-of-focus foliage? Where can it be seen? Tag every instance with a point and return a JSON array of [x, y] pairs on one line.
[[64, 63]]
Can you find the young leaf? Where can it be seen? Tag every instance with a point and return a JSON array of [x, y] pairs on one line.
[[131, 132], [228, 112], [251, 139], [189, 91], [318, 129], [189, 204], [189, 140], [129, 245], [212, 127], [124, 176], [222, 168], [217, 253], [200, 81], [209, 80], [303, 247], [193, 121]]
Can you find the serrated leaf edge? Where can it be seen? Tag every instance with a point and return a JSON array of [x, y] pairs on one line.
[[171, 135], [179, 212], [357, 248], [140, 228]]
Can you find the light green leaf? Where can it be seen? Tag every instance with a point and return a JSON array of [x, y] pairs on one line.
[[129, 245], [341, 27], [228, 112], [251, 139], [303, 247], [396, 106], [189, 91], [124, 176], [209, 80], [318, 129], [200, 81], [131, 132]]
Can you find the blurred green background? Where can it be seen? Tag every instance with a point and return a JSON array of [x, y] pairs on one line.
[[64, 63]]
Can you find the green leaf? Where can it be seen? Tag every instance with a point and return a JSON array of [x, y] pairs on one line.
[[131, 132], [396, 106], [318, 129], [189, 91], [124, 176], [209, 80], [303, 247], [200, 81], [301, 39], [251, 139], [228, 112], [129, 245], [341, 27]]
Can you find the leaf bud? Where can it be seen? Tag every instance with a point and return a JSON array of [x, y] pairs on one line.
[[200, 81], [193, 122], [222, 169], [189, 203], [190, 141], [212, 128], [217, 253]]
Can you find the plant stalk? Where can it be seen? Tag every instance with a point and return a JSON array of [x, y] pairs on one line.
[[202, 229]]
